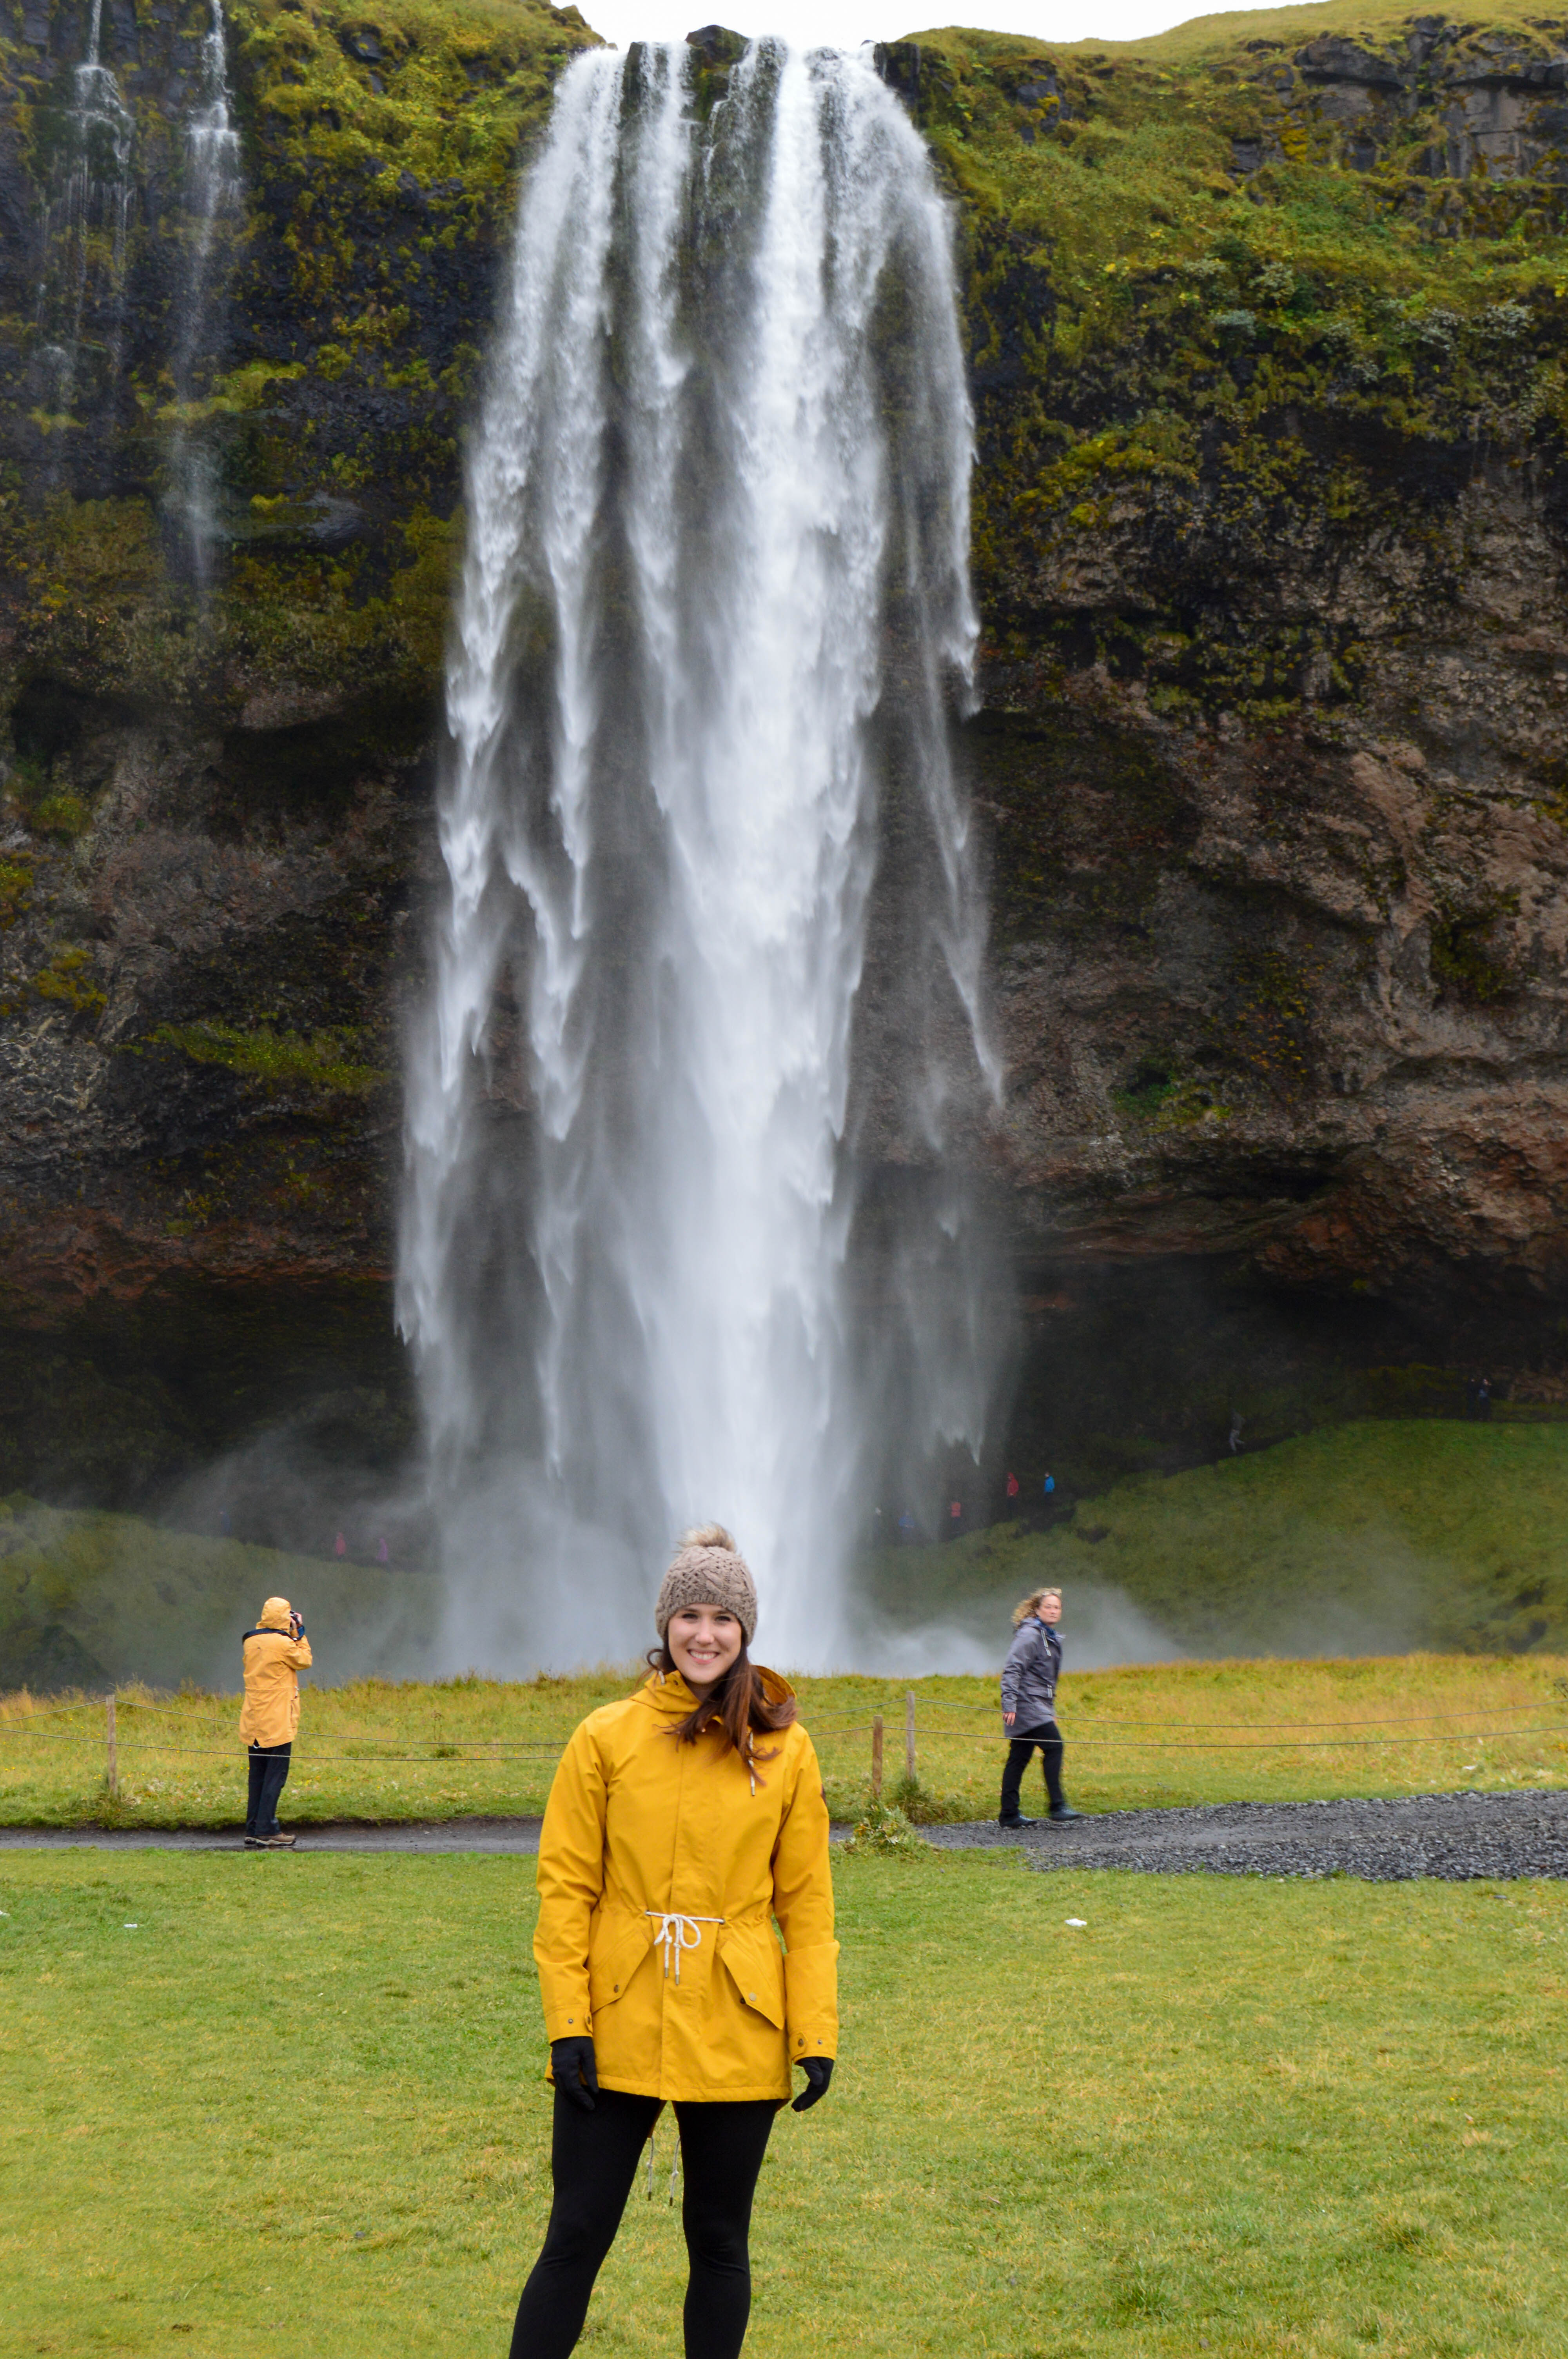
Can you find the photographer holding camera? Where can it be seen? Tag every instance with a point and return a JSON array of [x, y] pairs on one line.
[[273, 1654]]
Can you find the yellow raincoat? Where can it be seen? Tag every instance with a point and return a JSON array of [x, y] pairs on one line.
[[661, 1871], [273, 1658]]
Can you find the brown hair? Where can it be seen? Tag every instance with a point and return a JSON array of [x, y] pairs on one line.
[[739, 1706], [1027, 1605]]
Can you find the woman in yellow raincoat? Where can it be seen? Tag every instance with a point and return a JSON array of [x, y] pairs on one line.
[[273, 1654], [681, 1824]]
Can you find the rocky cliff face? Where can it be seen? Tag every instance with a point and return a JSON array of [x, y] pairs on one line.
[[1269, 345]]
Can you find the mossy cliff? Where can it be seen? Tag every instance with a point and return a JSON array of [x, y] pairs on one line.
[[1269, 321], [1269, 334], [219, 749]]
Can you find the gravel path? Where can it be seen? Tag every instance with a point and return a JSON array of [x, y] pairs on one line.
[[515, 1836], [1458, 1836]]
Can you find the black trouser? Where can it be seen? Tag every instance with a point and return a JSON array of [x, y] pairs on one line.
[[269, 1774], [593, 2158], [1020, 1753]]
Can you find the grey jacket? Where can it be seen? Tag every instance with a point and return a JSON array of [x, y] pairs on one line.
[[1030, 1674]]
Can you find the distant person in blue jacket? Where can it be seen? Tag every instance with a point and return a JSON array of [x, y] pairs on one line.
[[1029, 1680]]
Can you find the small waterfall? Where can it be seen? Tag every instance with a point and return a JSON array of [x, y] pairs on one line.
[[213, 192], [86, 229], [715, 594]]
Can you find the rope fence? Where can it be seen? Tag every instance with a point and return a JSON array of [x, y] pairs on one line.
[[473, 1752]]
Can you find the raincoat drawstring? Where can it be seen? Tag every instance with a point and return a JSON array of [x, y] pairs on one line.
[[677, 1932]]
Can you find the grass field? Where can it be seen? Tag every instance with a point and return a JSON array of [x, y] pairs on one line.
[[259, 2104], [1165, 1733]]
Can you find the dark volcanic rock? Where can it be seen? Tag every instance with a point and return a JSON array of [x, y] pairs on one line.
[[1270, 532]]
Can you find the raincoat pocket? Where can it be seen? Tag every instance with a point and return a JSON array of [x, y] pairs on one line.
[[615, 1950], [755, 1965]]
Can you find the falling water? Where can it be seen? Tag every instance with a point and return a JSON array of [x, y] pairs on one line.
[[213, 189], [715, 594], [86, 228]]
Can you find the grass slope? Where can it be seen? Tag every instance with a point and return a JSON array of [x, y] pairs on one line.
[[1365, 1537], [1246, 2117], [92, 1598]]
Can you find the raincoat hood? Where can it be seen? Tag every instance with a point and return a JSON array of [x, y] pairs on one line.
[[669, 1695], [274, 1615]]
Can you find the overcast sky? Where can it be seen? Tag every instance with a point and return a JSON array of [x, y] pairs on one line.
[[842, 23]]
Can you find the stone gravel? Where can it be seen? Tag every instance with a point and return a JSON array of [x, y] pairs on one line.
[[1456, 1836]]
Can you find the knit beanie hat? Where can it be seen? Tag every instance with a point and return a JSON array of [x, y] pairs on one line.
[[709, 1571]]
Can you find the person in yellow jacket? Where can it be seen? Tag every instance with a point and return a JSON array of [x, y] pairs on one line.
[[273, 1654], [681, 1824]]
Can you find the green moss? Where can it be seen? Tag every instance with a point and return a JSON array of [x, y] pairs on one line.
[[443, 92], [62, 814], [67, 980], [1169, 1101], [15, 890], [1265, 1031], [283, 1061], [1464, 963], [1190, 364]]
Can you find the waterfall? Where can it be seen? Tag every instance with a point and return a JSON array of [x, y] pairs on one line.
[[96, 198], [213, 196], [714, 596]]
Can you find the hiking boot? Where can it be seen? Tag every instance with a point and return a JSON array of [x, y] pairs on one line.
[[286, 1843], [256, 1842], [1065, 1811], [1011, 1823]]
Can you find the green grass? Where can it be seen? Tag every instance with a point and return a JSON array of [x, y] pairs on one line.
[[1360, 1540], [1151, 1735], [300, 2107], [1364, 1537], [88, 1597], [1371, 1537]]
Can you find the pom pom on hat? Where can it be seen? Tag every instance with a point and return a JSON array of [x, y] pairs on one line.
[[709, 1571]]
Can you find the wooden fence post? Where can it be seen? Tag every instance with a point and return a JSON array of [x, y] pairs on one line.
[[908, 1736], [111, 1777], [877, 1757]]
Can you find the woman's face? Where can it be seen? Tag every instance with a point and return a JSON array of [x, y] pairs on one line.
[[1050, 1610], [703, 1640]]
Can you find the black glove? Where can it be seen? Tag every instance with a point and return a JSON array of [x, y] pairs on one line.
[[819, 2071], [572, 2063]]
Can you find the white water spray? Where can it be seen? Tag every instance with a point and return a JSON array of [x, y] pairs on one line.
[[213, 190], [715, 592], [96, 198]]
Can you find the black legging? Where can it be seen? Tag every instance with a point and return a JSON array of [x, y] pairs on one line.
[[593, 2159], [269, 1775], [1019, 1753]]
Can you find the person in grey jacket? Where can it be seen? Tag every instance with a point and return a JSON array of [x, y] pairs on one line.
[[1029, 1680]]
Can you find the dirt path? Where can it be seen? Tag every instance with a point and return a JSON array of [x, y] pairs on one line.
[[513, 1835], [1454, 1835]]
